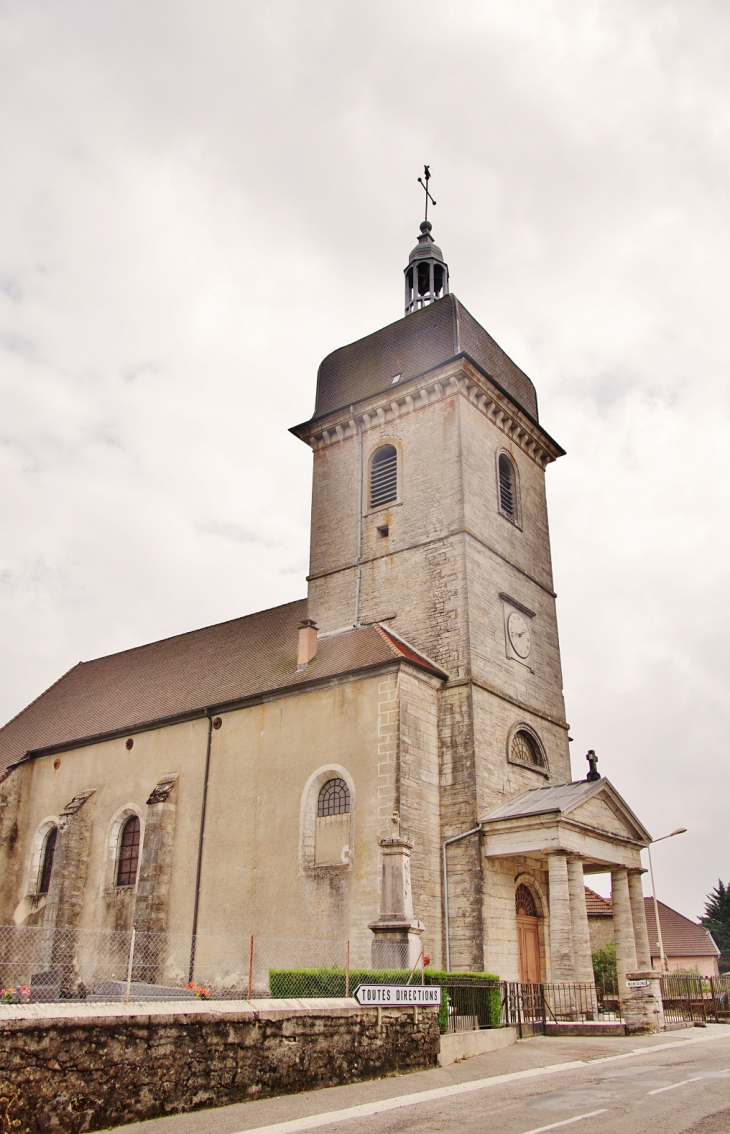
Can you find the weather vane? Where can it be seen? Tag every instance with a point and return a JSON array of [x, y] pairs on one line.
[[427, 175]]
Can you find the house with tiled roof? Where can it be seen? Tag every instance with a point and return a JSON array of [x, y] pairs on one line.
[[384, 762], [687, 945]]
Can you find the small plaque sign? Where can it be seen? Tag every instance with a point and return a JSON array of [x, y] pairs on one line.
[[638, 983], [384, 995]]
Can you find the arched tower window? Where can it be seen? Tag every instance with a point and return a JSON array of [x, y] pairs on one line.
[[525, 902], [128, 859], [525, 750], [508, 502], [49, 850], [334, 798], [384, 476]]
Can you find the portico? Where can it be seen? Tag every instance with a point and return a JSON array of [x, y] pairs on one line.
[[558, 834]]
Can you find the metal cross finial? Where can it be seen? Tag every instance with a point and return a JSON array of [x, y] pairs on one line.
[[593, 773], [424, 184]]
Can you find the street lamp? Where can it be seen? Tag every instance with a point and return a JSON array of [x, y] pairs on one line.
[[662, 955]]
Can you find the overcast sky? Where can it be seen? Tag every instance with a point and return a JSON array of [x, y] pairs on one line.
[[201, 200]]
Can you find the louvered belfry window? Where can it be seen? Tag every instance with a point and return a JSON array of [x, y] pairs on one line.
[[129, 852], [49, 850], [384, 477], [334, 798], [507, 501]]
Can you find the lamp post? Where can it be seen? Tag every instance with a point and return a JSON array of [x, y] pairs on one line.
[[660, 942]]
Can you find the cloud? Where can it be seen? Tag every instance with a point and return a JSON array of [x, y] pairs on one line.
[[199, 205]]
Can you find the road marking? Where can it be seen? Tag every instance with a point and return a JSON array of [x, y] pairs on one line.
[[660, 1090], [567, 1121], [684, 1082], [365, 1110]]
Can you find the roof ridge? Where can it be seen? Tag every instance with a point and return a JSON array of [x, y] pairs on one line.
[[185, 634]]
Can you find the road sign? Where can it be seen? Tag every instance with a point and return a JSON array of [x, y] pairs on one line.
[[380, 995], [638, 983]]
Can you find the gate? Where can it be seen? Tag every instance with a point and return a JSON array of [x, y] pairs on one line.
[[523, 1006], [687, 998]]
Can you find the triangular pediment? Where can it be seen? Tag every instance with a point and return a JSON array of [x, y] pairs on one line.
[[603, 809], [593, 804]]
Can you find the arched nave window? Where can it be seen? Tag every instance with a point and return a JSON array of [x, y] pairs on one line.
[[128, 857], [49, 850]]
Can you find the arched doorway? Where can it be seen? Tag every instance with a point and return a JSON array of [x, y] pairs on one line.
[[528, 937]]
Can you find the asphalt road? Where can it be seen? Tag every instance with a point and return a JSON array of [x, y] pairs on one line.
[[676, 1083]]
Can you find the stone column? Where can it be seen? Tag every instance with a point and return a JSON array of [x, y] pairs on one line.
[[397, 934], [561, 930], [623, 928], [579, 922], [638, 915]]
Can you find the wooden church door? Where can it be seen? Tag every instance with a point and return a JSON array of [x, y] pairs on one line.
[[528, 936]]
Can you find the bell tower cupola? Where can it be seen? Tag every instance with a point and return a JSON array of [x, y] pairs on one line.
[[427, 274]]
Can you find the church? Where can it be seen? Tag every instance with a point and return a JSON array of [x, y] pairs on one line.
[[273, 774]]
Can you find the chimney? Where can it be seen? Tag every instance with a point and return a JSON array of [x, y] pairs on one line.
[[307, 642]]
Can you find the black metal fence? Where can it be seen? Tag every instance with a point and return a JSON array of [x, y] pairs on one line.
[[468, 1005], [688, 998], [523, 1007]]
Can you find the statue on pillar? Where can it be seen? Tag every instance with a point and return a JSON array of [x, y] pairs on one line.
[[397, 934]]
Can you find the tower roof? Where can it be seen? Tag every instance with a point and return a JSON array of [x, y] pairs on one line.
[[427, 338]]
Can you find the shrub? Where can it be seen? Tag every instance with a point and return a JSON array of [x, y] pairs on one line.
[[604, 963], [303, 983]]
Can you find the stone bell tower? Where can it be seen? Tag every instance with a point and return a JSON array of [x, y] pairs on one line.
[[429, 515]]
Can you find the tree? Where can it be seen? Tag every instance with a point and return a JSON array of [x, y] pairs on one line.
[[717, 916], [604, 963]]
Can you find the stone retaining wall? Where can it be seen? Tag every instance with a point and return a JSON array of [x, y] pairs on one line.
[[71, 1071]]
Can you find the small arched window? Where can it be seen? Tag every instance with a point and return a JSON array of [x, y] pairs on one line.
[[128, 859], [525, 750], [524, 902], [334, 799], [384, 476], [507, 486], [49, 850]]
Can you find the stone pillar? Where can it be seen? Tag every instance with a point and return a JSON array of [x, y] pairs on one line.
[[397, 934], [153, 882], [642, 1006], [638, 916], [561, 930], [583, 963], [623, 929]]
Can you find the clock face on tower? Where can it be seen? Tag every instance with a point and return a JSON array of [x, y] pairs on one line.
[[519, 634]]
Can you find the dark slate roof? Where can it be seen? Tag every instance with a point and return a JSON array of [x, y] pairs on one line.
[[417, 343], [189, 673], [680, 936]]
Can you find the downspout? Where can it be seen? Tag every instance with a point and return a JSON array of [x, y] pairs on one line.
[[358, 564], [201, 836], [456, 839]]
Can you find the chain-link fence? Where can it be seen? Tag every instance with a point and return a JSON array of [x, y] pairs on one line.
[[41, 964]]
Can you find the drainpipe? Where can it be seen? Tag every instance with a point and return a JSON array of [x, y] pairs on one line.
[[358, 565], [456, 839], [201, 836]]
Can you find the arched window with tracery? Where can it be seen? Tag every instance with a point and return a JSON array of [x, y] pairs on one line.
[[334, 798], [525, 902], [128, 857], [524, 749], [49, 851], [384, 476], [507, 485]]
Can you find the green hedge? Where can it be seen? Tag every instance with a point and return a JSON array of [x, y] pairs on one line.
[[303, 983]]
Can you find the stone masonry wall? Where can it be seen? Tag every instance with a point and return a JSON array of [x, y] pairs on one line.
[[79, 1074], [13, 816]]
